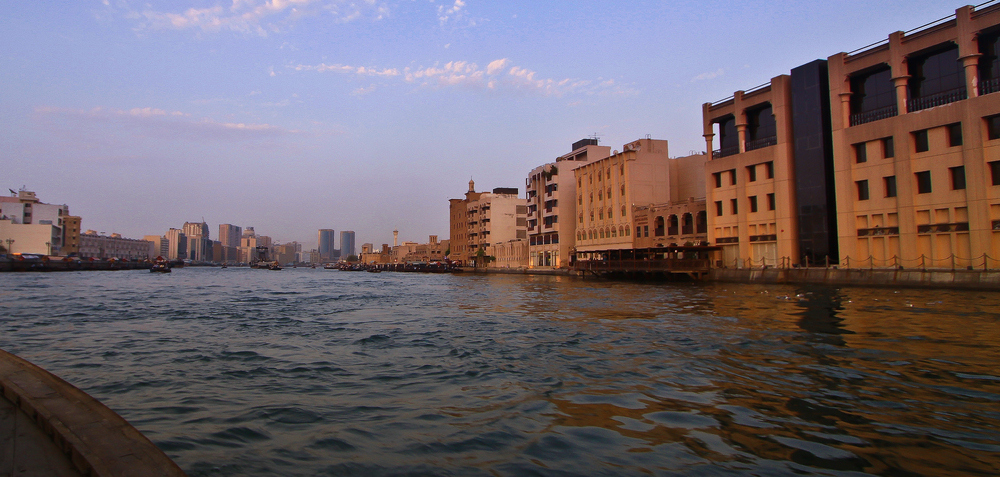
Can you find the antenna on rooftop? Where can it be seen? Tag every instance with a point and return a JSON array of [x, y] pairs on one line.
[[596, 137]]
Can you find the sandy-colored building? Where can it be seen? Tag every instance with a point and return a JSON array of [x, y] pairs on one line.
[[916, 138], [489, 217], [28, 225], [510, 254], [610, 189], [95, 245], [412, 252], [71, 235], [750, 179], [552, 206]]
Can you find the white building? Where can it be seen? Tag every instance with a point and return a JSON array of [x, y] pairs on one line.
[[30, 226]]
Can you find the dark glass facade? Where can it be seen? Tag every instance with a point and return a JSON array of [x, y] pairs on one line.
[[813, 163], [872, 91]]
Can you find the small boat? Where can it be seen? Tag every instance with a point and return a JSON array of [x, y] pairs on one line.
[[160, 265], [274, 266]]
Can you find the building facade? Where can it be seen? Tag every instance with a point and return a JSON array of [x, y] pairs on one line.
[[28, 225], [916, 138], [552, 206], [458, 226], [94, 245], [348, 246], [325, 244]]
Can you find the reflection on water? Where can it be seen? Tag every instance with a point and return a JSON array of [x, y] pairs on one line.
[[306, 372]]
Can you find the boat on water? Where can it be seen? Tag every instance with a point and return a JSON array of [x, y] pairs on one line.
[[274, 266], [160, 265]]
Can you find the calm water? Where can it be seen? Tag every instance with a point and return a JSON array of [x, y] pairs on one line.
[[314, 372]]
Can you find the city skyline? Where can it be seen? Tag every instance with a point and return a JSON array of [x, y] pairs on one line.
[[295, 116]]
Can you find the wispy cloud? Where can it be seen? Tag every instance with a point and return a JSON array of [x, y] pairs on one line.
[[709, 75], [155, 122], [498, 75], [454, 12], [256, 17]]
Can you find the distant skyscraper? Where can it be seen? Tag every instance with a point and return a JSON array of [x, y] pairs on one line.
[[347, 243], [229, 235], [325, 244], [177, 244]]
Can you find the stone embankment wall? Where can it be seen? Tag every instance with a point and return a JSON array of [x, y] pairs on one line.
[[909, 278]]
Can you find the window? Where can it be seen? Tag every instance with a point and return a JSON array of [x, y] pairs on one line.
[[770, 201], [995, 172], [769, 167], [873, 96], [732, 177], [924, 182], [609, 213], [734, 206], [761, 128], [718, 179], [954, 134], [920, 140], [645, 231], [936, 78], [993, 127], [888, 148], [623, 211], [752, 173], [862, 189], [753, 203], [580, 200], [718, 208], [860, 153], [957, 177], [638, 231], [890, 186]]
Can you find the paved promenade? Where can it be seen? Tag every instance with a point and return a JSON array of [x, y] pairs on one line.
[[49, 427]]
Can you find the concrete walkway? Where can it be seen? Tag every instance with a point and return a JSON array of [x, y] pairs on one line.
[[49, 427]]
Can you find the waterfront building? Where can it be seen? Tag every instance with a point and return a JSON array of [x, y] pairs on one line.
[[71, 235], [325, 244], [458, 225], [285, 253], [176, 244], [411, 252], [347, 244], [915, 126], [608, 189], [551, 195], [248, 245], [95, 245], [158, 246], [751, 191], [491, 217], [199, 242], [28, 225], [510, 254]]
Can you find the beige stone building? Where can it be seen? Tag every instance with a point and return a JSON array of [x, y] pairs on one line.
[[94, 245], [28, 225], [552, 207], [916, 137], [489, 217], [413, 252], [642, 177], [510, 254], [750, 180]]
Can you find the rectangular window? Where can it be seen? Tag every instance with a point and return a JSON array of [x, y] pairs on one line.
[[890, 186], [645, 230], [718, 179], [752, 173], [954, 134], [888, 148], [995, 172], [718, 208], [924, 182], [957, 177], [753, 203], [993, 127], [862, 189], [860, 153], [920, 141], [732, 177], [734, 206], [770, 202], [769, 167]]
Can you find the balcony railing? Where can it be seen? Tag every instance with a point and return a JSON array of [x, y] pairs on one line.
[[989, 86], [726, 151], [761, 143], [930, 101], [874, 115]]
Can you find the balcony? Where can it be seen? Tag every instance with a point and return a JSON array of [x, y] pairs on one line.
[[761, 143], [989, 86], [930, 101], [726, 151], [874, 115]]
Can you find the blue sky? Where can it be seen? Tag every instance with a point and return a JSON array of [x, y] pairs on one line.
[[295, 115]]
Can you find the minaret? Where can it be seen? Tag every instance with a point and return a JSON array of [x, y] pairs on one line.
[[472, 185], [395, 238]]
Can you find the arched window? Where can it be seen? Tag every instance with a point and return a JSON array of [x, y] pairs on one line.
[[609, 213], [614, 233], [601, 232], [600, 214], [621, 169], [581, 217], [672, 225], [609, 193], [658, 226], [609, 173], [623, 212], [688, 224], [702, 222], [623, 190], [628, 232], [600, 195]]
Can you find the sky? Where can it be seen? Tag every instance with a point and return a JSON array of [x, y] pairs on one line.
[[294, 115]]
